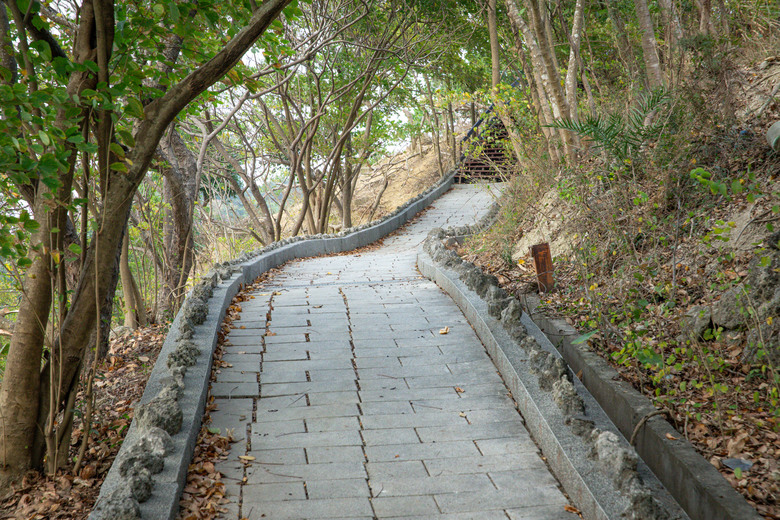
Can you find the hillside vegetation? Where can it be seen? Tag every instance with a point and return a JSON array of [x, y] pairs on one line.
[[662, 225]]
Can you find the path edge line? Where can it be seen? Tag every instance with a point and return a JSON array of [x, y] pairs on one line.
[[175, 395]]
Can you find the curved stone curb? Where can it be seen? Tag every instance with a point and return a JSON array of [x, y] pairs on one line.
[[150, 470], [699, 488], [601, 473]]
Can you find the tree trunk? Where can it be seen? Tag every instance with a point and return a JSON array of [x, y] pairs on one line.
[[179, 192], [135, 312], [20, 386], [574, 58], [538, 70], [434, 121], [495, 65], [550, 76], [705, 16], [655, 77]]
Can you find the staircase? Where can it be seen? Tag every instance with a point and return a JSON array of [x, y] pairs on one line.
[[486, 155]]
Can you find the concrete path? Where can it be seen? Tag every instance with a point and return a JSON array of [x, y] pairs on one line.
[[355, 406]]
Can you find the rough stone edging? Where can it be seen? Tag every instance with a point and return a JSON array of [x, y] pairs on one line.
[[602, 474], [150, 470], [695, 483]]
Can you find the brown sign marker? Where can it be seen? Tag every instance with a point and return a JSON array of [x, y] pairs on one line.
[[544, 266]]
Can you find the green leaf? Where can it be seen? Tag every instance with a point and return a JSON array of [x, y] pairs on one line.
[[584, 337], [43, 49], [173, 10], [24, 262], [75, 248], [62, 66], [118, 166], [135, 108], [736, 187], [44, 137], [118, 150], [31, 225], [127, 137]]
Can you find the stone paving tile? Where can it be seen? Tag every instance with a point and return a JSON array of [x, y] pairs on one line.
[[498, 430], [333, 424], [363, 409], [313, 508], [259, 493], [405, 394], [323, 454], [306, 412], [326, 398], [261, 431], [499, 499], [387, 507], [396, 469], [307, 387], [412, 486], [235, 390], [433, 418], [344, 488], [261, 474], [227, 375], [516, 462], [437, 450], [390, 436], [306, 439]]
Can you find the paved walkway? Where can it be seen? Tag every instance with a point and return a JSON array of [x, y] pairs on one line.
[[355, 406]]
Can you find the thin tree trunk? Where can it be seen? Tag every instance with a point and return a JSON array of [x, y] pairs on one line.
[[434, 120], [705, 16], [179, 193], [135, 314], [550, 75], [495, 66], [574, 58], [538, 91], [655, 77]]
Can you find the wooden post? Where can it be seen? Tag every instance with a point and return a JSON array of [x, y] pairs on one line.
[[544, 266]]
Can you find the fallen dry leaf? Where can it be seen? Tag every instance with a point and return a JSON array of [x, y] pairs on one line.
[[459, 390], [445, 330], [571, 509], [247, 458], [671, 437]]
